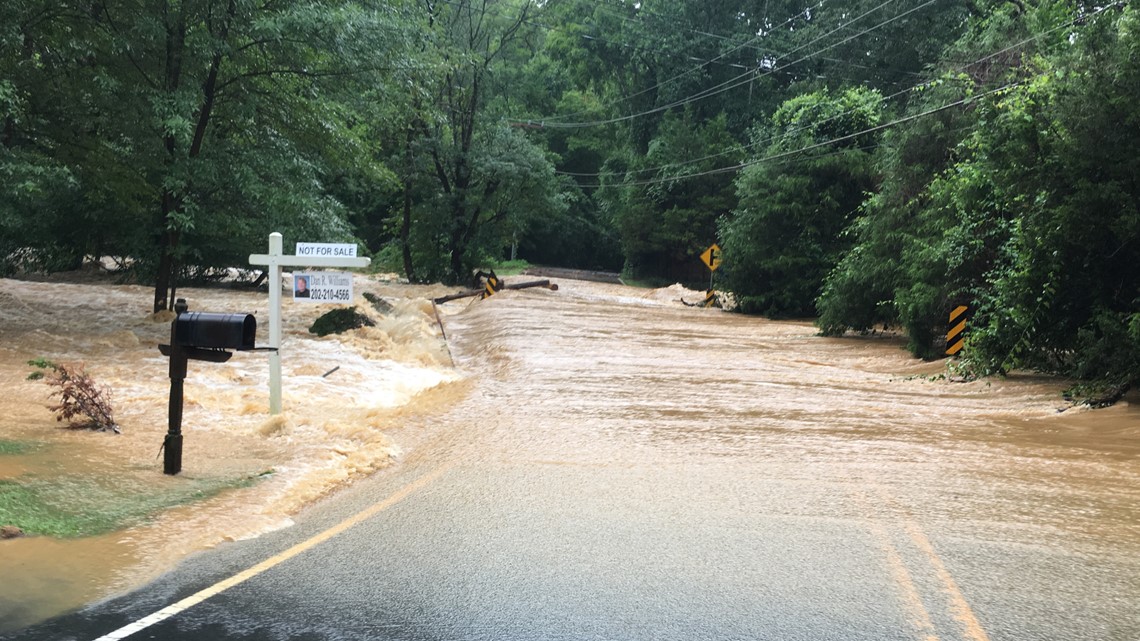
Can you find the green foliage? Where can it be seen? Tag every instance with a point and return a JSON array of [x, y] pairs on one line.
[[180, 136], [665, 218], [43, 363], [899, 270], [508, 267], [1032, 217], [789, 230], [339, 321]]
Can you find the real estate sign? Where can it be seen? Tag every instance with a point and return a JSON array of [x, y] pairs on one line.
[[322, 287]]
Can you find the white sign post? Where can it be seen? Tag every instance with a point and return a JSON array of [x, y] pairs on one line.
[[275, 260]]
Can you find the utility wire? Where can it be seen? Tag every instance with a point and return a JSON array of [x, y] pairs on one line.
[[795, 152], [667, 21], [763, 22], [732, 83], [703, 63], [696, 69], [720, 88], [789, 133]]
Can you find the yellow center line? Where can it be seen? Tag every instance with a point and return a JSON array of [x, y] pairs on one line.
[[910, 596], [200, 596], [961, 609], [958, 604]]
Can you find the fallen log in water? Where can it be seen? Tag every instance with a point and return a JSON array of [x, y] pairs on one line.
[[477, 292]]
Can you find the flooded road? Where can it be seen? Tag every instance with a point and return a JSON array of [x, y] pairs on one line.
[[621, 378], [995, 514], [616, 465]]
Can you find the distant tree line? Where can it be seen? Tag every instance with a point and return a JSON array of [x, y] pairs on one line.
[[866, 163]]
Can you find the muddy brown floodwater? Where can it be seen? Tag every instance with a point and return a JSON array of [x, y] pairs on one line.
[[707, 381], [1035, 505], [653, 380]]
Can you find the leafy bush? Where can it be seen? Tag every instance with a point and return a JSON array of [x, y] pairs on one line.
[[1030, 216], [339, 321], [82, 403], [788, 232]]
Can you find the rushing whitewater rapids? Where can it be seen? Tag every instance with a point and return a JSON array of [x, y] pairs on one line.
[[593, 374]]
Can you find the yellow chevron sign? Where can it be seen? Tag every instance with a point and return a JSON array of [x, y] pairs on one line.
[[492, 285], [956, 332]]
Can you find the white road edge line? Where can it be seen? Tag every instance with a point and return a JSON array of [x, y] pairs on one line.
[[200, 596]]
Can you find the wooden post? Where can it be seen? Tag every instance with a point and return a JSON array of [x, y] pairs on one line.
[[172, 444], [275, 249]]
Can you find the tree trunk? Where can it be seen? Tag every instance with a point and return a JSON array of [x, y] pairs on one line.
[[165, 276], [405, 235], [165, 286], [162, 281], [166, 237], [406, 223]]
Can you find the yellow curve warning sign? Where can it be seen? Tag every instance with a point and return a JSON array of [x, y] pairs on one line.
[[711, 257]]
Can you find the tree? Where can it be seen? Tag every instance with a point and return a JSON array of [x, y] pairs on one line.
[[192, 128], [665, 206], [471, 181], [898, 270], [1065, 295], [1022, 204], [798, 196]]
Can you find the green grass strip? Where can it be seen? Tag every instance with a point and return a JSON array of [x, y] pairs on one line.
[[69, 506], [11, 448]]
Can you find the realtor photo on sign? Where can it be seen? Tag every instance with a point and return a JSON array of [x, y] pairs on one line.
[[300, 286]]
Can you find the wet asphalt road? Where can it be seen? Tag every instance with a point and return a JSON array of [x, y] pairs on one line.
[[510, 521], [475, 553]]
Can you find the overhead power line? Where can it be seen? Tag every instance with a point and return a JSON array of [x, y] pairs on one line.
[[791, 132], [738, 81], [696, 69], [825, 143]]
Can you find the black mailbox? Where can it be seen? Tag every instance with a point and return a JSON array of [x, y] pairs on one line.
[[215, 331]]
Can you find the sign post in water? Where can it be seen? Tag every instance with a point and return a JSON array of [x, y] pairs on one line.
[[308, 255], [711, 258]]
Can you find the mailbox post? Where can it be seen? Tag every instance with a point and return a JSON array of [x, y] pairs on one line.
[[200, 336], [172, 444]]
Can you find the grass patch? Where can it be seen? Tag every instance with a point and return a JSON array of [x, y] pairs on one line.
[[71, 506], [13, 448], [510, 267]]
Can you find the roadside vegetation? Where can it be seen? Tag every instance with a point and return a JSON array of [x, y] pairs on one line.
[[868, 164], [75, 506], [10, 448], [80, 401]]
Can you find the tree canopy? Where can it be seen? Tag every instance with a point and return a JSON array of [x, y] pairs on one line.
[[863, 163]]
